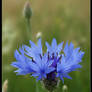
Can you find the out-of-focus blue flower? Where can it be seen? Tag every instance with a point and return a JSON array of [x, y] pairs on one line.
[[50, 65]]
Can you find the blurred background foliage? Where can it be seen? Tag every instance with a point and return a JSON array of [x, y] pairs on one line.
[[60, 19]]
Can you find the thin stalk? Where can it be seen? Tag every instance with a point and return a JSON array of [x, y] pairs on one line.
[[37, 89], [28, 29]]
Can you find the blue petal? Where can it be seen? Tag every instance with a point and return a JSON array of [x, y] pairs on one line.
[[58, 75], [16, 64], [16, 54], [44, 76], [39, 78], [54, 44], [39, 43], [34, 66], [67, 76], [50, 69], [20, 72], [35, 74], [60, 47], [48, 47], [49, 63], [32, 44], [61, 77], [21, 50], [66, 48], [27, 48]]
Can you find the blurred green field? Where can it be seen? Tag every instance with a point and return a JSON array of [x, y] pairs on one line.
[[60, 19]]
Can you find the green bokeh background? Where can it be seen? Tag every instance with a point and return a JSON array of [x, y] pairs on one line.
[[60, 19]]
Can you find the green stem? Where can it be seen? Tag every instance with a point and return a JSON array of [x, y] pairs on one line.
[[50, 91], [28, 29], [37, 88], [65, 90]]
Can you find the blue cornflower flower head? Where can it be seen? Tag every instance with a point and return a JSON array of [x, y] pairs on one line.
[[48, 67]]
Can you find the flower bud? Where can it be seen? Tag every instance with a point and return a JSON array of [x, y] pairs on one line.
[[38, 35], [5, 86], [65, 88], [27, 12], [50, 84]]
